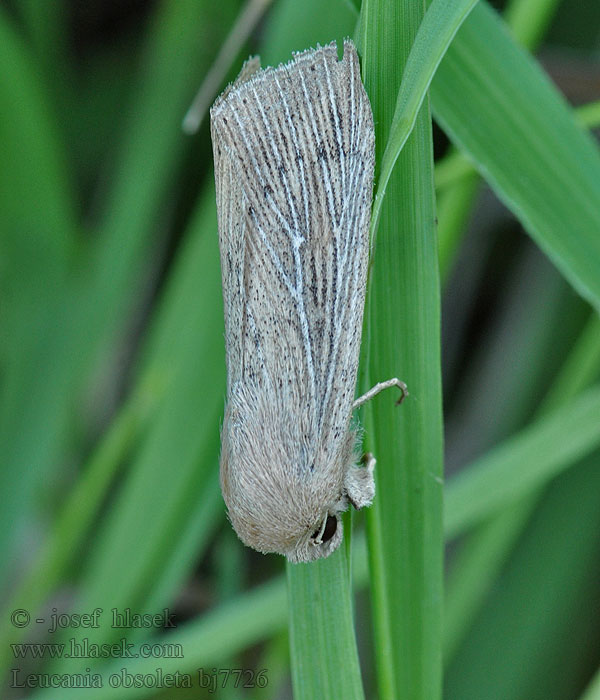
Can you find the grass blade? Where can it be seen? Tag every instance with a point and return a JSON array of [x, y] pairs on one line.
[[402, 339], [516, 649], [154, 523], [511, 121], [87, 312], [523, 462], [441, 22], [322, 630]]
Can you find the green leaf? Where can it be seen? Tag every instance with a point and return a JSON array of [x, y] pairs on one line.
[[204, 642], [322, 643], [38, 241], [402, 339], [523, 462], [441, 22], [482, 556], [80, 318], [74, 521], [38, 228], [533, 638], [484, 553], [227, 629], [499, 107], [168, 503]]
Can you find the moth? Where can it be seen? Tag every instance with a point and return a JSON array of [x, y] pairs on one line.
[[294, 152]]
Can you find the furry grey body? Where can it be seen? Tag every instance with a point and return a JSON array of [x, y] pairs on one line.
[[294, 158]]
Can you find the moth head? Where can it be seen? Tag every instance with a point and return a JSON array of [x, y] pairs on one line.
[[321, 540]]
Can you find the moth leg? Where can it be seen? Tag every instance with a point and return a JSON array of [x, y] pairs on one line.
[[380, 387], [360, 485]]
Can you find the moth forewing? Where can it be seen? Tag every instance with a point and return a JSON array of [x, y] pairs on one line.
[[294, 157]]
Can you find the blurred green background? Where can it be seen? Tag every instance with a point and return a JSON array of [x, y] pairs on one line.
[[112, 362]]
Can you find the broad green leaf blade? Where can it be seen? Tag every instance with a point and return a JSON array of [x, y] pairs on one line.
[[456, 167], [440, 24], [322, 643], [523, 462], [499, 107], [402, 339], [455, 204], [483, 554]]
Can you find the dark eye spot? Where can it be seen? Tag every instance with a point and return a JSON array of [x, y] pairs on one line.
[[330, 528], [329, 531]]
